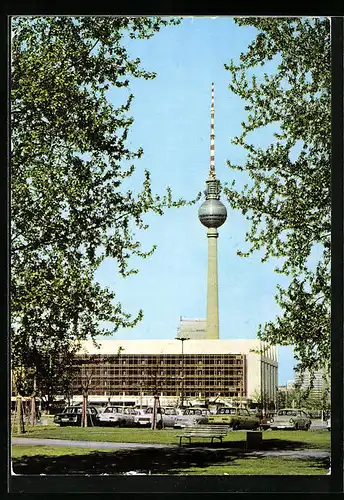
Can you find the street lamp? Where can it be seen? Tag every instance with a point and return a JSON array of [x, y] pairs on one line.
[[182, 341], [141, 384]]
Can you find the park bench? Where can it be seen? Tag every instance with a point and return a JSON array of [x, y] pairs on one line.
[[211, 431]]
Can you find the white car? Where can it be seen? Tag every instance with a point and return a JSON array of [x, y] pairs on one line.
[[113, 415], [290, 418], [170, 416], [192, 416], [166, 417], [145, 418]]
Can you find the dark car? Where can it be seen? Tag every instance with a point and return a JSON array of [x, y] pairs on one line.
[[71, 415]]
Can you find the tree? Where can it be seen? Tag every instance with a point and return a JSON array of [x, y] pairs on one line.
[[262, 399], [70, 162], [314, 396], [55, 371], [85, 371], [306, 398], [86, 380], [287, 200], [281, 399]]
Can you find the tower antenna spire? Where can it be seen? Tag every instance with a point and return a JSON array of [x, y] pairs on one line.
[[212, 134]]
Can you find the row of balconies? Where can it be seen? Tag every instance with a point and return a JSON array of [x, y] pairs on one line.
[[166, 373], [167, 392], [143, 378], [176, 384], [167, 365], [153, 357], [177, 362], [163, 369]]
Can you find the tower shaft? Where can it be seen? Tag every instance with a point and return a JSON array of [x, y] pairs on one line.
[[212, 214], [212, 328]]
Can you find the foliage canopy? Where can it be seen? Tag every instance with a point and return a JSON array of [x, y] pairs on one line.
[[288, 198], [70, 162]]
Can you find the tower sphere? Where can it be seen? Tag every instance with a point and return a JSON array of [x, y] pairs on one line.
[[212, 213]]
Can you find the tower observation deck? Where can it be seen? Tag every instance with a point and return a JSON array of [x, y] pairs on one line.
[[212, 214]]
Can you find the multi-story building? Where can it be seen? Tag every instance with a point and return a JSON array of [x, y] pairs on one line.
[[132, 371], [192, 328], [320, 381]]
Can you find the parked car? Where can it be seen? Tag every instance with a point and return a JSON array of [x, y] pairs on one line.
[[145, 418], [166, 417], [237, 418], [115, 415], [192, 416], [130, 415], [291, 418], [170, 416], [71, 415]]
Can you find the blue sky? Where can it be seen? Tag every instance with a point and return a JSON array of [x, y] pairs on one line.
[[172, 124]]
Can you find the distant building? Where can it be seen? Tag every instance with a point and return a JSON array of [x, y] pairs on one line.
[[192, 328], [320, 382], [288, 386]]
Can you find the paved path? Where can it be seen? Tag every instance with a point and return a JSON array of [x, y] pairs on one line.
[[291, 453], [86, 444], [102, 444]]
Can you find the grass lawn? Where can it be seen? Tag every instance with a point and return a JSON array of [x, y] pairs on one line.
[[218, 459], [272, 439], [176, 461], [264, 466]]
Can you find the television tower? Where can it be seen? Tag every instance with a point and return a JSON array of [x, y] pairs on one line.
[[212, 214]]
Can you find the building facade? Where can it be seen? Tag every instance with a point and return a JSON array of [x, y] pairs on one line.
[[132, 371]]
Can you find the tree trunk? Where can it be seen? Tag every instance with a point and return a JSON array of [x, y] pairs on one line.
[[161, 414], [18, 407], [49, 400], [20, 416], [33, 415], [84, 409], [154, 413]]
